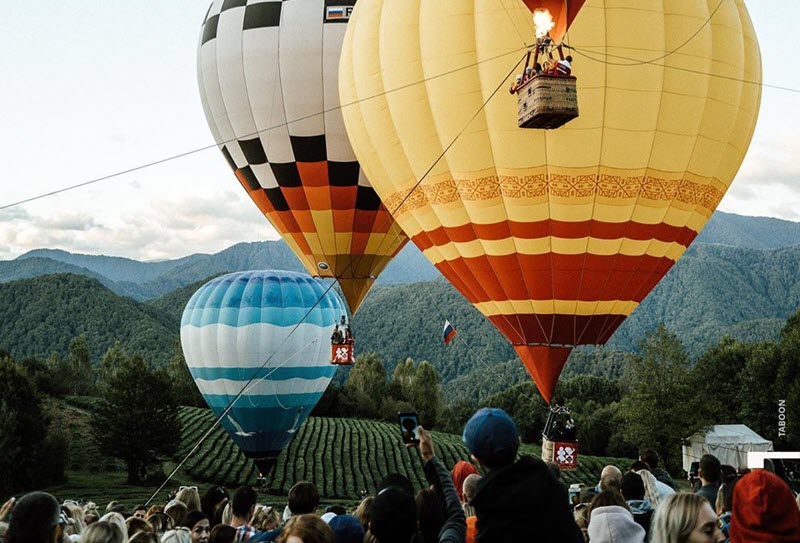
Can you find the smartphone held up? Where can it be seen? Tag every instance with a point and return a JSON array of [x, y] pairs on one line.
[[409, 428]]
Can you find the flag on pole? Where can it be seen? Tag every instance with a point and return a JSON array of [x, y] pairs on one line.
[[449, 332]]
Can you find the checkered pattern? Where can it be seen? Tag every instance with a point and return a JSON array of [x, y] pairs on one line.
[[261, 64]]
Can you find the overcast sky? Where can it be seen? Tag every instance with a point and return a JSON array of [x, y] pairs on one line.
[[93, 87]]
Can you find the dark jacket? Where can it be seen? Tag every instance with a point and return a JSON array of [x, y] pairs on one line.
[[524, 502], [663, 475], [455, 526]]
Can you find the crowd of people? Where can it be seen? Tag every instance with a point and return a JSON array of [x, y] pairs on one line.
[[497, 496]]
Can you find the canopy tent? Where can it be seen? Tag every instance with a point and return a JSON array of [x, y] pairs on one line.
[[730, 443]]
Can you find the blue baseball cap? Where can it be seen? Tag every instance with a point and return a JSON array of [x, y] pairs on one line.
[[492, 437], [346, 529]]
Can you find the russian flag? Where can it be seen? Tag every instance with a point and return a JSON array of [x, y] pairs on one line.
[[336, 12], [449, 332]]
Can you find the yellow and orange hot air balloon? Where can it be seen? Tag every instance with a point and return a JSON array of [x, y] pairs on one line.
[[555, 236], [268, 77]]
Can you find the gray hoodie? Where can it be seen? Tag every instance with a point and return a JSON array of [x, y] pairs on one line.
[[614, 524]]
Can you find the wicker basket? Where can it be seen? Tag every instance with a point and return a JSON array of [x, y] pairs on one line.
[[549, 449], [547, 101]]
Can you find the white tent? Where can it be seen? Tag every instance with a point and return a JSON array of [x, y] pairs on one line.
[[730, 443]]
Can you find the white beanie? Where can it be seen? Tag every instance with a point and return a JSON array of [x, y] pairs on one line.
[[614, 524]]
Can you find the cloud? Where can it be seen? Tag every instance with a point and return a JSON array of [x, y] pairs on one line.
[[168, 226]]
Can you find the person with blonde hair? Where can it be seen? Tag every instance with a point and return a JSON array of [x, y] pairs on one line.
[[178, 535], [685, 518], [118, 520], [190, 497], [102, 531], [308, 528], [265, 519]]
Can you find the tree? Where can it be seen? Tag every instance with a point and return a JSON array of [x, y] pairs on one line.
[[426, 393], [186, 391], [23, 427], [659, 407], [716, 377], [366, 386], [79, 362], [137, 417]]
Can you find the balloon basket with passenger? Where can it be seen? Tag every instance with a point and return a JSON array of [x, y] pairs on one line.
[[342, 344], [547, 93], [560, 438]]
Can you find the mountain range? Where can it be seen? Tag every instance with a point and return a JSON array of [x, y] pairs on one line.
[[740, 278]]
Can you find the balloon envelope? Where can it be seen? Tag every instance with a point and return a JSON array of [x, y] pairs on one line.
[[555, 236], [268, 77], [234, 324]]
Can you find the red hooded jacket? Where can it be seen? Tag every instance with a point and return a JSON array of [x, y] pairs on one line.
[[461, 471]]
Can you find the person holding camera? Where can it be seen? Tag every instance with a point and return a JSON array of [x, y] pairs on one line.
[[518, 499]]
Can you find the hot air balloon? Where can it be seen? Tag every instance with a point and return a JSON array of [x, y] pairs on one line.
[[236, 323], [268, 77], [555, 236]]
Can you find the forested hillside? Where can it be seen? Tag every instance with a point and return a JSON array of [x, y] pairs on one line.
[[41, 316]]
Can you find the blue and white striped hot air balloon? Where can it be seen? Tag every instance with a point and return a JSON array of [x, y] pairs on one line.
[[232, 325]]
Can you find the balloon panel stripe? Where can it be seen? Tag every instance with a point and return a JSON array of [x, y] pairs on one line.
[[526, 329], [559, 229], [554, 276], [262, 401], [232, 372], [262, 387]]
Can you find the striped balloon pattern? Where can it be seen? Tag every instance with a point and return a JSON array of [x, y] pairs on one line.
[[556, 236], [235, 324], [268, 78]]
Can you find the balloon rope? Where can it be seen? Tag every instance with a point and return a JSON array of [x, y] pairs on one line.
[[330, 286], [301, 349]]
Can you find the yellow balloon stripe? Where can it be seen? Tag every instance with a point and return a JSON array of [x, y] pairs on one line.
[[556, 307]]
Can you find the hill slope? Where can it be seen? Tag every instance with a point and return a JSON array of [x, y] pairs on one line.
[[42, 315], [340, 456]]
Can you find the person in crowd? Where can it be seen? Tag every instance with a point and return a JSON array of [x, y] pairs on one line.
[[118, 520], [115, 507], [632, 488], [725, 503], [103, 531], [462, 470], [651, 458], [364, 511], [139, 511], [190, 497], [346, 529], [199, 526], [303, 498], [222, 533], [135, 525], [685, 518], [77, 517], [154, 509], [265, 519], [470, 487], [609, 473], [145, 537], [178, 535], [429, 515], [307, 528], [394, 512], [160, 522], [763, 510], [555, 469], [211, 499], [611, 520], [90, 513], [176, 510], [725, 470], [654, 490], [35, 518], [515, 495], [242, 508], [709, 473], [581, 515]]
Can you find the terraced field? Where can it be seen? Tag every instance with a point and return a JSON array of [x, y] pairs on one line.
[[341, 456]]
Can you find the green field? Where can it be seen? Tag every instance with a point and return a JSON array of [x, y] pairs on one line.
[[341, 456]]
